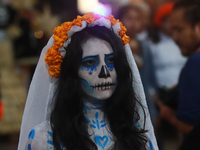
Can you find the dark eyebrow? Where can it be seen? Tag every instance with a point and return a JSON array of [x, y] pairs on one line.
[[109, 54], [92, 56]]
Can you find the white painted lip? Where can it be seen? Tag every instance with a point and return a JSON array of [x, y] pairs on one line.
[[102, 86]]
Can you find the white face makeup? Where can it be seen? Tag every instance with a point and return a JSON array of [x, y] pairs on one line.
[[97, 72]]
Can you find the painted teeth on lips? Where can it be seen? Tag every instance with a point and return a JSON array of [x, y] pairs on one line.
[[103, 85]]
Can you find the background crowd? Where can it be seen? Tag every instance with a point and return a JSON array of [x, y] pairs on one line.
[[161, 48]]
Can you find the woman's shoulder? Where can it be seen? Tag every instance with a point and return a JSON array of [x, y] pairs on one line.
[[40, 137], [43, 126]]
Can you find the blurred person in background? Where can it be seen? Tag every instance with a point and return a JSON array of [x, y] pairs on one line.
[[167, 58], [185, 25], [168, 63], [132, 16], [142, 32]]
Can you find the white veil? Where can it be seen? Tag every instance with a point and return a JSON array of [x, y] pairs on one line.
[[42, 88]]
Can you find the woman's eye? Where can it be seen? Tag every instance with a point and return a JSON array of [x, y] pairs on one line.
[[110, 61], [89, 63]]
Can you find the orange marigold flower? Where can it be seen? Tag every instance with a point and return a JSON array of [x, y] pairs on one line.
[[89, 18], [58, 42], [80, 18], [67, 25], [112, 19], [125, 39], [58, 30], [77, 22], [123, 30], [51, 51], [54, 72], [57, 38], [58, 45], [54, 60], [49, 55]]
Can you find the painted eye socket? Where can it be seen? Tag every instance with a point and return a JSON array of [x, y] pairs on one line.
[[89, 63], [110, 60]]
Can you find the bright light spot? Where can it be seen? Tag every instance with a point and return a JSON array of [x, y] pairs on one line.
[[103, 9], [100, 11], [39, 34], [86, 6]]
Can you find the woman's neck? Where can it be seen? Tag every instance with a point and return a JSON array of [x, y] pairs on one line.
[[93, 107], [94, 103], [98, 124]]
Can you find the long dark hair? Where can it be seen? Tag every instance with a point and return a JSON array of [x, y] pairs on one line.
[[67, 117]]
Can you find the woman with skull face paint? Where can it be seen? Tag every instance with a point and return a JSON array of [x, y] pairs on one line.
[[97, 101]]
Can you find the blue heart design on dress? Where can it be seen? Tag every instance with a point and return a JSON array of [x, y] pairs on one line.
[[101, 141]]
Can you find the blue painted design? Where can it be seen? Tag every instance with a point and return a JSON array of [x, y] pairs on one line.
[[61, 145], [96, 115], [96, 123], [138, 126], [87, 121], [150, 145], [102, 121], [29, 146], [86, 107], [96, 108], [89, 89], [90, 63], [31, 134], [110, 140], [91, 69], [50, 142], [103, 125], [93, 126], [50, 133], [109, 60], [101, 141], [110, 67]]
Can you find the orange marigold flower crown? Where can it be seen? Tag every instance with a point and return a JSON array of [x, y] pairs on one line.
[[54, 58]]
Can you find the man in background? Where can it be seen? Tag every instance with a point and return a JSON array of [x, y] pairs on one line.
[[185, 25]]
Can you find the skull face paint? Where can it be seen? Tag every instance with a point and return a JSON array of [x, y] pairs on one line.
[[97, 72]]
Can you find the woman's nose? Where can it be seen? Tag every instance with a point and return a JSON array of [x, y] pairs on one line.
[[104, 73]]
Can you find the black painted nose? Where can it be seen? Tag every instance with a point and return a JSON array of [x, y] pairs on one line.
[[104, 73]]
